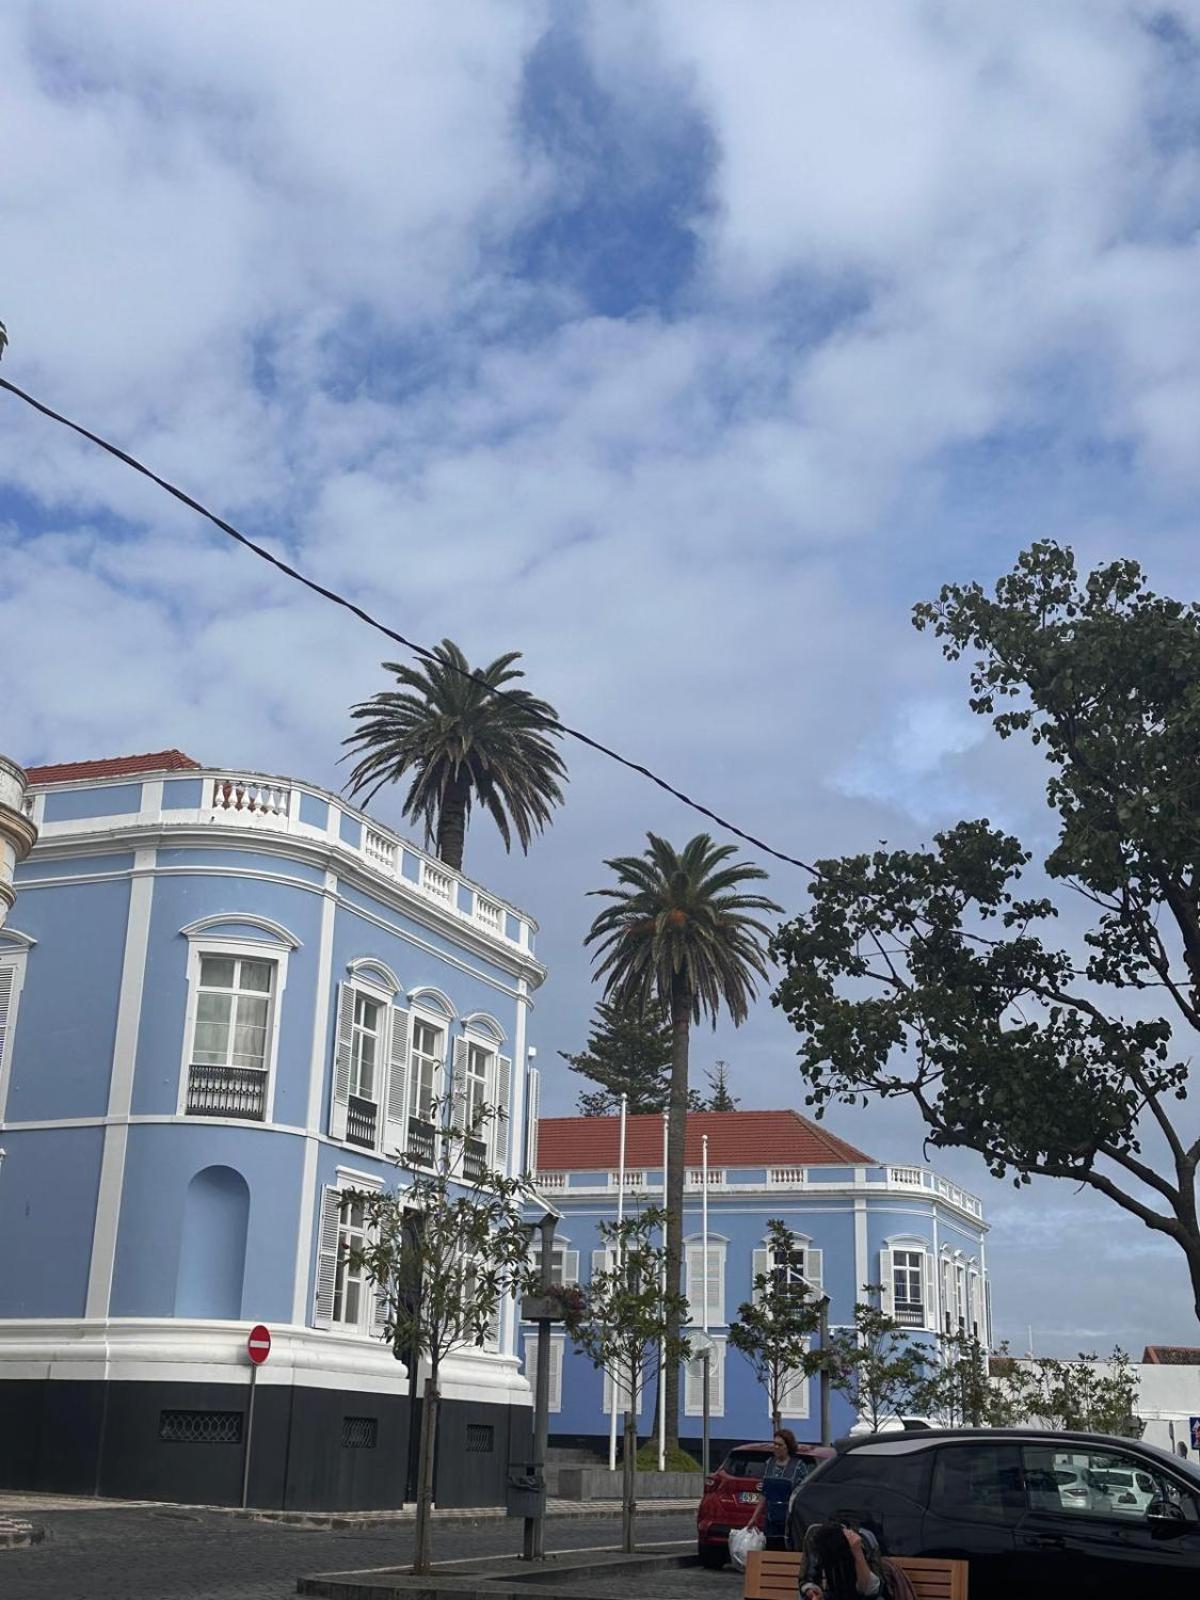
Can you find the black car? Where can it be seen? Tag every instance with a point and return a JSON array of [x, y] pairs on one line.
[[1037, 1514]]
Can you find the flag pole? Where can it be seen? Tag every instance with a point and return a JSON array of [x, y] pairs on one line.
[[707, 1352], [662, 1344], [612, 1420]]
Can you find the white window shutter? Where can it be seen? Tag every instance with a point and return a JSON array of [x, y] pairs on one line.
[[715, 1283], [397, 1092], [691, 1288], [814, 1267], [716, 1381], [570, 1266], [8, 985], [533, 1096], [794, 1400], [458, 1086], [379, 1310], [760, 1268], [930, 1288], [887, 1282], [557, 1348], [342, 1048], [502, 1121], [327, 1250], [693, 1388]]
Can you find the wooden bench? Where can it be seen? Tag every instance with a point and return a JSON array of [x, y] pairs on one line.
[[775, 1575]]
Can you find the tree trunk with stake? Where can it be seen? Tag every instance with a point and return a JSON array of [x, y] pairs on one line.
[[681, 1024], [629, 1483], [423, 1554]]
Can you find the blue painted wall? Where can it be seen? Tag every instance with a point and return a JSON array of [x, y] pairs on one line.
[[48, 1190], [77, 805], [66, 1024], [160, 1163]]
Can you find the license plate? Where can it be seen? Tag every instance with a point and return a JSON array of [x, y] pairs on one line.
[[748, 1496]]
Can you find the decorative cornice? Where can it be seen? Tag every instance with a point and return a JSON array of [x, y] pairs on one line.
[[250, 919]]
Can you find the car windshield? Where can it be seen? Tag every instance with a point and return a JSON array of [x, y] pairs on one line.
[[745, 1463]]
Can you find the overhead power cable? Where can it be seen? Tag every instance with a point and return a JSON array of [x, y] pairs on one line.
[[390, 633]]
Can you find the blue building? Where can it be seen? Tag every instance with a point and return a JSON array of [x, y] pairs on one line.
[[226, 1000], [857, 1223]]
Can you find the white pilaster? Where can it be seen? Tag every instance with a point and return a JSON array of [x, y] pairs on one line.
[[316, 1075], [120, 1085], [862, 1264]]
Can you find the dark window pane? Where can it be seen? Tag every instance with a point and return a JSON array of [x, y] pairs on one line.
[[978, 1483], [745, 1464]]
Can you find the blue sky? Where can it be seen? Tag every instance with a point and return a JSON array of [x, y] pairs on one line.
[[682, 345]]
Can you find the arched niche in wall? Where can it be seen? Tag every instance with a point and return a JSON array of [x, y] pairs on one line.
[[212, 1254]]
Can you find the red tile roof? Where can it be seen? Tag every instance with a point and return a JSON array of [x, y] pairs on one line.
[[112, 767], [735, 1139], [1171, 1355]]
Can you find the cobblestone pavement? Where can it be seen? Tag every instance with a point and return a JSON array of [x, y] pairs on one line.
[[164, 1553]]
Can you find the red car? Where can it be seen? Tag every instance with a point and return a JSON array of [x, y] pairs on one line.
[[731, 1495]]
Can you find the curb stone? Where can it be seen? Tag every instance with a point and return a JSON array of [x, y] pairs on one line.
[[566, 1510]]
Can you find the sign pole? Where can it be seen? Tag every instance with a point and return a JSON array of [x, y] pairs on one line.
[[249, 1434], [258, 1348]]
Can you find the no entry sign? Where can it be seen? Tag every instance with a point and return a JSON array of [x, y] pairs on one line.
[[258, 1345]]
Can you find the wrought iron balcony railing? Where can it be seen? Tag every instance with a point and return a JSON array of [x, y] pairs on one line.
[[227, 1092], [474, 1160], [362, 1122], [422, 1142]]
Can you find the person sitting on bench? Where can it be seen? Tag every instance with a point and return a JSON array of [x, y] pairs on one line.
[[840, 1564]]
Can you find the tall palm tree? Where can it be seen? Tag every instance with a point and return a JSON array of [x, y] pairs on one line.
[[463, 744], [679, 937]]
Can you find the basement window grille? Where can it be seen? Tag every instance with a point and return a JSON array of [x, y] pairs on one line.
[[359, 1433], [200, 1427], [481, 1438]]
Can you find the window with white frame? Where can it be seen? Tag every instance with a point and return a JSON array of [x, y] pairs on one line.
[[365, 1047], [693, 1383], [908, 1290], [231, 1037], [793, 1400], [564, 1262], [948, 1293], [557, 1351], [623, 1395], [425, 1082], [351, 1291], [345, 1296], [796, 1271], [706, 1280]]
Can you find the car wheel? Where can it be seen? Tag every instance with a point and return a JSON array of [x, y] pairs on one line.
[[713, 1556]]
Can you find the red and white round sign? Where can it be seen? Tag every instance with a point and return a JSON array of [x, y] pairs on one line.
[[258, 1345]]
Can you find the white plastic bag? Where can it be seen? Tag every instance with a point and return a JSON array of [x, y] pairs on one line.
[[742, 1541]]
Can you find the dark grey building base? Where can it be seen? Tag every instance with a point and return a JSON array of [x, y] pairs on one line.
[[312, 1450]]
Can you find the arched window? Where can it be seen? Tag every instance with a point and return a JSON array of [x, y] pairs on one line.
[[212, 1255]]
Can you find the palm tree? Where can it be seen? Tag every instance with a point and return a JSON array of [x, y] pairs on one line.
[[679, 938], [463, 743]]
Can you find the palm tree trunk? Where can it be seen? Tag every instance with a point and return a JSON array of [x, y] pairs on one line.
[[452, 823], [681, 1025]]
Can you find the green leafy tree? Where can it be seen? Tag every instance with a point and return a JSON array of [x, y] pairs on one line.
[[719, 1097], [931, 974], [875, 1365], [442, 1253], [624, 1321], [681, 935], [1085, 1395], [628, 1053], [463, 744], [774, 1330], [956, 1387]]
